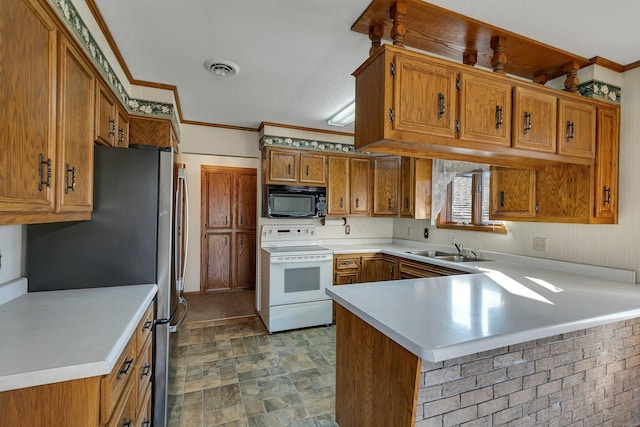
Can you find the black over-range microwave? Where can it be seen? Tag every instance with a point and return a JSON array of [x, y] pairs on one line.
[[294, 201]]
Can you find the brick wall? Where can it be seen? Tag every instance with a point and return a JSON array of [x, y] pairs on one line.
[[586, 378]]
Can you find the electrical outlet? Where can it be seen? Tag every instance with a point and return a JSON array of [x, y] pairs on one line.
[[426, 233], [540, 244]]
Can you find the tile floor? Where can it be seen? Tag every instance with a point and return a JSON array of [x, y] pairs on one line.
[[232, 373]]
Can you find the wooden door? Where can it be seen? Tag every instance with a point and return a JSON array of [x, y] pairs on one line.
[[246, 187], [105, 126], [371, 268], [283, 166], [386, 176], [424, 97], [312, 169], [360, 186], [485, 110], [245, 254], [75, 131], [513, 193], [606, 166], [338, 201], [27, 96], [218, 265], [534, 120], [217, 185], [389, 268], [576, 128], [563, 193]]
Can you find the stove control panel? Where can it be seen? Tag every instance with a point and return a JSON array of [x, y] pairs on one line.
[[276, 233]]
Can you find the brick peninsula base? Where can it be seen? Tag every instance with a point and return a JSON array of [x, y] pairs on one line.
[[590, 377]]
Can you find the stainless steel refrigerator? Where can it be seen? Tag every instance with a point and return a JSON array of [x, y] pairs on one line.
[[137, 234]]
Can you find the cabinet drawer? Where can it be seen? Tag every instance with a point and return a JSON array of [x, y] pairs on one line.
[[124, 413], [350, 263], [144, 329], [144, 369], [112, 386], [144, 415]]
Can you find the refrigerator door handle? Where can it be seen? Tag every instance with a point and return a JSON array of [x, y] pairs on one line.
[[173, 328], [181, 219]]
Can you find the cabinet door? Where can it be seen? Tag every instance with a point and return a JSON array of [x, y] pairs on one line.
[[360, 186], [245, 250], [534, 120], [389, 268], [386, 175], [283, 166], [371, 267], [407, 177], [513, 193], [424, 97], [148, 131], [606, 166], [122, 136], [217, 251], [75, 131], [27, 96], [312, 169], [485, 110], [576, 128], [338, 194], [105, 127], [246, 188], [218, 186], [348, 278], [563, 193], [415, 178]]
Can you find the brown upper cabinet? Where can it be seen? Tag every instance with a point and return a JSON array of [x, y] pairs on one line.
[[47, 170], [535, 119], [295, 167], [152, 131], [415, 188], [576, 128], [605, 183], [112, 122], [386, 186], [348, 185], [485, 110], [412, 104]]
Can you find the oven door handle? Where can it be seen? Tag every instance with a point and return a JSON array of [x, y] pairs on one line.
[[300, 261]]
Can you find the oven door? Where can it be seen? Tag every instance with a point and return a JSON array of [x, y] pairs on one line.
[[295, 279]]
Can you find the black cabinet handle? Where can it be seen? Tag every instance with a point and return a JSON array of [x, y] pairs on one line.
[[498, 116], [289, 169], [389, 203], [606, 195], [147, 325], [124, 369], [307, 170], [146, 370], [41, 173], [357, 202], [502, 199], [111, 130], [527, 122], [570, 128], [406, 203], [441, 103], [341, 202], [68, 186], [241, 240]]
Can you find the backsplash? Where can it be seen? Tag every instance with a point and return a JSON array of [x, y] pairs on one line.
[[360, 228]]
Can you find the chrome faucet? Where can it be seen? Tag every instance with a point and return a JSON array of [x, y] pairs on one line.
[[458, 246]]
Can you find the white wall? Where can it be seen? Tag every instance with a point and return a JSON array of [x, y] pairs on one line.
[[203, 145], [11, 249], [609, 245]]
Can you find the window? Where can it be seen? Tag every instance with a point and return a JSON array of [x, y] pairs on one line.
[[467, 204]]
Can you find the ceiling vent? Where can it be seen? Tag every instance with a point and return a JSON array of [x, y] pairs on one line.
[[221, 67]]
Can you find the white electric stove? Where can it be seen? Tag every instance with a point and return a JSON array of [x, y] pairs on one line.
[[295, 271]]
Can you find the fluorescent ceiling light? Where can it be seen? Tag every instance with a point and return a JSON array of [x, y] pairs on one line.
[[345, 116]]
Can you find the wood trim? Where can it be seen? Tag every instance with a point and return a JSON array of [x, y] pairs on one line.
[[631, 66], [217, 125], [377, 380], [332, 132], [598, 60]]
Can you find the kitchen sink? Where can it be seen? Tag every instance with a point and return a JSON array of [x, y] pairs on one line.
[[459, 258], [431, 254]]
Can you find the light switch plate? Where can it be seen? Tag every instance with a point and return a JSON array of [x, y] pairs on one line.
[[540, 244]]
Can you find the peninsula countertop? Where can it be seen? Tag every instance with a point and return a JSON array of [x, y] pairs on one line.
[[501, 302], [47, 337]]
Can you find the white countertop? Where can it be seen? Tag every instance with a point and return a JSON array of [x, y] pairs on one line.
[[47, 337], [503, 303]]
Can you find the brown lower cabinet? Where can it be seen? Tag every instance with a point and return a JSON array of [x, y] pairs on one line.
[[123, 396]]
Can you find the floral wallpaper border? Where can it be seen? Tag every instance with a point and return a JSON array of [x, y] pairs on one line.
[[141, 107], [602, 91], [297, 143]]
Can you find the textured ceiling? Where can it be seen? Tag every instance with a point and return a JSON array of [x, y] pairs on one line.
[[296, 56]]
